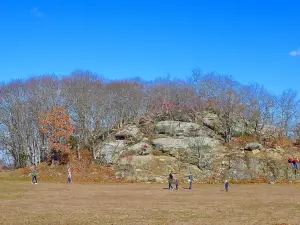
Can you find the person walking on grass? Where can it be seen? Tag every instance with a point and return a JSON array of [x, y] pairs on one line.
[[190, 181], [226, 185], [69, 176], [170, 181], [177, 184], [34, 174]]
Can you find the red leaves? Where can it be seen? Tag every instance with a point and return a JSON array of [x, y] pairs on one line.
[[281, 141], [212, 102], [58, 126], [168, 105]]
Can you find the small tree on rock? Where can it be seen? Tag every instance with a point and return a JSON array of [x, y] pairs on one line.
[[201, 152]]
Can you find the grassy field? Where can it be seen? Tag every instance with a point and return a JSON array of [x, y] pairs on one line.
[[58, 203]]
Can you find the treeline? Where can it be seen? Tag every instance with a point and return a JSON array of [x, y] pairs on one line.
[[97, 105]]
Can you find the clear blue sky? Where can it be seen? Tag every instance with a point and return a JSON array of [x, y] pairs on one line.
[[254, 41]]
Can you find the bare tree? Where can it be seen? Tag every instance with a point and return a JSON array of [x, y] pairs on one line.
[[78, 90], [288, 105], [226, 93], [201, 152], [260, 107], [98, 107]]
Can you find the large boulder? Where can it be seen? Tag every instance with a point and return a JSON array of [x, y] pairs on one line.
[[212, 121], [256, 167], [170, 143], [146, 168], [178, 128], [253, 146], [139, 162], [108, 152], [131, 131], [188, 149]]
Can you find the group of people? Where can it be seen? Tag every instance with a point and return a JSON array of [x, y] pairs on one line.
[[295, 162], [171, 181], [34, 175]]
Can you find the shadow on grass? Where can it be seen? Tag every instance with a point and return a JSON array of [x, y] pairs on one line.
[[184, 188]]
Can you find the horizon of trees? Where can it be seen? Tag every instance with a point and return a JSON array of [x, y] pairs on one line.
[[96, 106]]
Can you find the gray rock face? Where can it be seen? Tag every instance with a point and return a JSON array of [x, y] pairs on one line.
[[156, 169], [212, 121], [177, 128], [108, 153], [196, 151], [141, 148], [183, 143], [238, 169], [253, 146]]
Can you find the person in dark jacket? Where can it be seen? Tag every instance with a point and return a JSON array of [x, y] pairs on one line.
[[170, 181], [226, 185], [177, 184], [190, 181]]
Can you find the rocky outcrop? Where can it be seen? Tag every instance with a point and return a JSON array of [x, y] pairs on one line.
[[183, 147]]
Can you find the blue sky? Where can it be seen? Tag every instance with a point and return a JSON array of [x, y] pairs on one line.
[[254, 41]]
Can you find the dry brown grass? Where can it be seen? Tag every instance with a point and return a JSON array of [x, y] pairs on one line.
[[78, 203], [82, 171]]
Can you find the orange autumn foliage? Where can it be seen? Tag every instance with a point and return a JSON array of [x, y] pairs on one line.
[[58, 126]]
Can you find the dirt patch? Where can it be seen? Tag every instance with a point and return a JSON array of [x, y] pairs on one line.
[[78, 203]]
